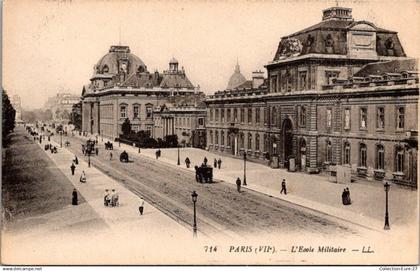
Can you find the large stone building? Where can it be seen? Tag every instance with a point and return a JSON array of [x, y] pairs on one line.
[[339, 92], [121, 87]]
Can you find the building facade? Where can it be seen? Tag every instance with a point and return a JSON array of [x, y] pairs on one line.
[[121, 87], [341, 92], [61, 105], [17, 105]]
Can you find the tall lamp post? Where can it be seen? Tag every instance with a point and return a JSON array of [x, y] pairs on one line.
[[61, 139], [194, 196], [139, 146], [386, 187], [245, 168], [179, 162]]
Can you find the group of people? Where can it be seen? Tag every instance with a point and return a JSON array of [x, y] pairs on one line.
[[217, 163], [111, 198]]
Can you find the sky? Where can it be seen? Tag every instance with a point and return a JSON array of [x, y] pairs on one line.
[[52, 46]]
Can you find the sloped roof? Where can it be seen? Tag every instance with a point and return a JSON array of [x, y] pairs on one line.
[[175, 80], [142, 80], [394, 66]]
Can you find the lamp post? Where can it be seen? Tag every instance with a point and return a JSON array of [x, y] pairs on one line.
[[139, 147], [61, 139], [244, 169], [89, 159], [386, 187], [179, 162], [194, 196]]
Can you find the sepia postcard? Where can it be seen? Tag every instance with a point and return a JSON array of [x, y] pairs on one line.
[[210, 132]]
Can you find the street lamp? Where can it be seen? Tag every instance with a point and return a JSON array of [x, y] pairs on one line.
[[194, 196], [139, 147], [244, 168], [61, 139], [386, 187], [179, 162]]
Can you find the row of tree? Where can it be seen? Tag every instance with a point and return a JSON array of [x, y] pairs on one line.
[[8, 117], [144, 139]]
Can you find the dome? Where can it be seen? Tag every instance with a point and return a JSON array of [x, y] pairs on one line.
[[173, 61], [119, 57], [236, 79]]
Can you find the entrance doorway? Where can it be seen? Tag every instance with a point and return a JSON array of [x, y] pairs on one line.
[[302, 154], [287, 134]]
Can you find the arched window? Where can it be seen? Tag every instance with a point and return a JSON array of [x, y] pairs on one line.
[[362, 155], [273, 116], [222, 140], [211, 137], [257, 142], [328, 157], [347, 153], [241, 140], [265, 142], [249, 141], [399, 159], [216, 138], [380, 157]]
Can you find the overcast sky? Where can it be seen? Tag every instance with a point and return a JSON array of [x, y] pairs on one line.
[[52, 46]]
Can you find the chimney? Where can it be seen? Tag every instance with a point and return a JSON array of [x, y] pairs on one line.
[[257, 78]]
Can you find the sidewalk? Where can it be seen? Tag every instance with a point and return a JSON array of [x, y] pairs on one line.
[[311, 191]]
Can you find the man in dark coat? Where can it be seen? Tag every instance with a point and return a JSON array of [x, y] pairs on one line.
[[74, 199], [283, 187], [219, 162], [141, 208], [187, 162], [238, 184], [72, 167], [344, 197], [76, 161], [215, 163], [205, 161]]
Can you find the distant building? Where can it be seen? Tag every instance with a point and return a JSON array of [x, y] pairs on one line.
[[61, 105], [187, 121], [236, 79], [121, 87], [17, 105], [341, 92]]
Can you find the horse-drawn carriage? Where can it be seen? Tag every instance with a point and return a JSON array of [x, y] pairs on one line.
[[108, 146], [89, 148], [204, 174], [124, 157]]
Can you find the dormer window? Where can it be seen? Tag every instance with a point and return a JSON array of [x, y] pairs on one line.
[[105, 69]]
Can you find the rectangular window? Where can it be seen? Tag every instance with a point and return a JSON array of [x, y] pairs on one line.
[[363, 117], [123, 111], [273, 83], [265, 115], [249, 115], [347, 118], [211, 114], [149, 112], [211, 137], [400, 117], [216, 115], [200, 121], [302, 80], [329, 117], [228, 115], [380, 118], [242, 115], [135, 111], [363, 155], [380, 157], [257, 115], [235, 115], [302, 117], [347, 153], [222, 115]]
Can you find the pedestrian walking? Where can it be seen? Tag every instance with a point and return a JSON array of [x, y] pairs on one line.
[[114, 198], [96, 151], [141, 208], [219, 162], [348, 196], [205, 161], [238, 184], [157, 154], [74, 199], [187, 162], [106, 196], [283, 187], [215, 163], [83, 177], [72, 168], [110, 156], [76, 161]]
